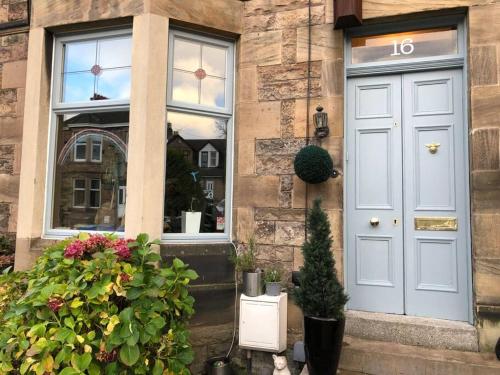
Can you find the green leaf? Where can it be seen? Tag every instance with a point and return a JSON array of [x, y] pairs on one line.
[[129, 355], [190, 274], [152, 258], [69, 322], [69, 371], [94, 369], [142, 238], [112, 369], [65, 335], [25, 367], [76, 303], [178, 263], [38, 330], [158, 367], [186, 356], [126, 315], [81, 362], [134, 293]]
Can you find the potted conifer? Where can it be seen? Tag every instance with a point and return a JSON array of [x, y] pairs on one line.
[[321, 297]]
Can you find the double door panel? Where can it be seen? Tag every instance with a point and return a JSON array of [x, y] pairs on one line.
[[406, 178]]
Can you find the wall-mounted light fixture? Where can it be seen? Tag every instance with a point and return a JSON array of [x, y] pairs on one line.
[[320, 120]]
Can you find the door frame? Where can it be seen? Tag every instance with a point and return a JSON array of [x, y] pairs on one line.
[[457, 18]]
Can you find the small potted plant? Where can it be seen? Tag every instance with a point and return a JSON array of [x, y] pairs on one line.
[[321, 297], [273, 277], [245, 262], [191, 219]]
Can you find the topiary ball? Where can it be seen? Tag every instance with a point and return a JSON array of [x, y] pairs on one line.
[[313, 164]]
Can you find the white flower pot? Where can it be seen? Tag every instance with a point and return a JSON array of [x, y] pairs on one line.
[[191, 222]]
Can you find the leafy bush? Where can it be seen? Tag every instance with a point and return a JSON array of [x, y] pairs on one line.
[[99, 305], [320, 294]]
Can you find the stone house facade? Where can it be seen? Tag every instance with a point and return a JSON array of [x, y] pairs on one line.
[[288, 59]]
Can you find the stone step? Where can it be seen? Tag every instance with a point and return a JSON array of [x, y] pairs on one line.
[[409, 330], [385, 358]]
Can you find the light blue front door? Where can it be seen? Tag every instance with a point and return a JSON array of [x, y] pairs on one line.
[[406, 206]]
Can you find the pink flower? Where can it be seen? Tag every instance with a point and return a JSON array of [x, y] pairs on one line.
[[97, 242], [55, 304], [122, 249], [75, 249]]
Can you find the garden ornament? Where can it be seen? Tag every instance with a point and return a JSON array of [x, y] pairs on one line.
[[280, 366]]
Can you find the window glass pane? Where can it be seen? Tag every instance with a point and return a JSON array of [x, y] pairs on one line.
[[406, 45], [214, 61], [186, 55], [115, 52], [189, 208], [213, 92], [78, 87], [97, 70], [79, 56], [114, 84], [79, 198], [95, 184], [81, 150], [204, 159], [101, 212], [96, 150], [185, 87], [79, 184], [213, 159]]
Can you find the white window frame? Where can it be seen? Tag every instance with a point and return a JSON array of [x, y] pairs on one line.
[[209, 185], [97, 190], [78, 144], [92, 143], [59, 108], [84, 189], [229, 86], [225, 114], [57, 69]]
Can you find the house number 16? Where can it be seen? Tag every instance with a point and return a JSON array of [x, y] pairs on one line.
[[406, 47]]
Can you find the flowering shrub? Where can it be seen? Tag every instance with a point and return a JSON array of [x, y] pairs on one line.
[[98, 305]]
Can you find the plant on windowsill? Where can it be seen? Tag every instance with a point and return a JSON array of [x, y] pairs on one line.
[[191, 220], [273, 277], [321, 297], [245, 261], [97, 305]]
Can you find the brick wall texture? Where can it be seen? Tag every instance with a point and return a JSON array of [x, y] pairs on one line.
[[13, 54]]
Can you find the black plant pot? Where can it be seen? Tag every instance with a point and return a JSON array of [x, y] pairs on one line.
[[323, 344]]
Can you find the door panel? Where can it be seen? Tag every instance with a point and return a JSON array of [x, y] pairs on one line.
[[436, 262], [374, 253]]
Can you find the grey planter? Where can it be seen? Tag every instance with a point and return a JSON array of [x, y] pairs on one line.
[[252, 284], [273, 288]]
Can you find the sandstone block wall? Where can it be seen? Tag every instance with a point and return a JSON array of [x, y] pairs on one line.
[[484, 29], [13, 54]]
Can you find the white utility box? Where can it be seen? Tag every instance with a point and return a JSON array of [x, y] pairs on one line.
[[263, 322]]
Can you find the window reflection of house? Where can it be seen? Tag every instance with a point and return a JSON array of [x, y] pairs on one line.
[[206, 158], [91, 172]]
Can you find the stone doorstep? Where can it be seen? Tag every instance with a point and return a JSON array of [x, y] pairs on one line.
[[384, 358], [416, 331]]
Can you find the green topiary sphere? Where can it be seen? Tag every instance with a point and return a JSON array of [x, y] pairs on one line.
[[313, 164]]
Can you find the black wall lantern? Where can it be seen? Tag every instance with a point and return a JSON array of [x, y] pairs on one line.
[[320, 120]]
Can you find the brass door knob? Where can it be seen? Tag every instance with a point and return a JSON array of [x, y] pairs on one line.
[[374, 221], [433, 147]]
